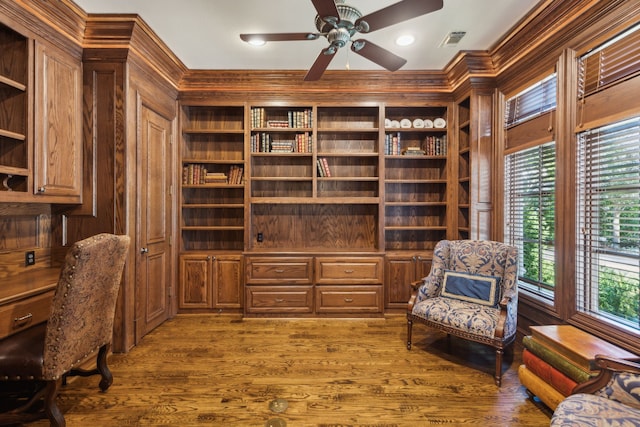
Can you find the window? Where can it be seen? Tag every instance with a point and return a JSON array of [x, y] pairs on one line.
[[532, 102], [616, 60], [530, 215], [608, 221], [530, 181]]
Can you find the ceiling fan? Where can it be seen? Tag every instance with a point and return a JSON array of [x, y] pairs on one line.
[[338, 22]]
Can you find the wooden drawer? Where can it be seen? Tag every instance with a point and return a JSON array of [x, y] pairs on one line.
[[349, 299], [274, 270], [25, 313], [279, 299], [351, 270]]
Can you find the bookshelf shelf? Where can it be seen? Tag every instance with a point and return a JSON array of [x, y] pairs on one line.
[[415, 183], [15, 172], [212, 191], [464, 159]]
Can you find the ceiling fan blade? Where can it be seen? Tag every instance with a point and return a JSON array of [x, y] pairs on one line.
[[396, 13], [321, 64], [377, 54], [279, 37], [326, 8]]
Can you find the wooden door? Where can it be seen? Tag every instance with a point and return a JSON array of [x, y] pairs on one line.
[[154, 211]]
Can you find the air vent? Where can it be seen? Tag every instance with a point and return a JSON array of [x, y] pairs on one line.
[[453, 38]]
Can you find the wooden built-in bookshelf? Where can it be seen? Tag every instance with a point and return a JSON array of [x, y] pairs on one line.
[[321, 183], [464, 168], [15, 169], [212, 210]]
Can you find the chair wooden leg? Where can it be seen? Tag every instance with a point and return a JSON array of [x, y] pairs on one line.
[[409, 328], [498, 376], [101, 368], [56, 419]]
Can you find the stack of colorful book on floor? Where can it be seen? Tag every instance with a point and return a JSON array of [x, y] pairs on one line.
[[556, 358]]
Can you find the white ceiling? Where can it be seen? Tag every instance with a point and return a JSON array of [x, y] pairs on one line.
[[204, 34]]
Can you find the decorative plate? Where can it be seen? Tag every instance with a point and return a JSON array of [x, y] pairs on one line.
[[387, 123], [439, 123], [418, 123], [428, 123], [405, 123], [395, 124]]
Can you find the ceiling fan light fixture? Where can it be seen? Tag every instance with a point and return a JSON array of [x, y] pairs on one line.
[[405, 40]]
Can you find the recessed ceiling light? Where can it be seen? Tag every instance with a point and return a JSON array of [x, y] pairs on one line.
[[256, 42], [405, 40]]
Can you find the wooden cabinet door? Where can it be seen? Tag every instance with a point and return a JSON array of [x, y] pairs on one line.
[[227, 281], [400, 271], [58, 125], [194, 289]]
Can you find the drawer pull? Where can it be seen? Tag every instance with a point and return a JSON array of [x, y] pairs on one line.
[[348, 300], [22, 320], [348, 271], [279, 300], [279, 270]]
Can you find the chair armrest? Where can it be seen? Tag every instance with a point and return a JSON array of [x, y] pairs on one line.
[[609, 367], [415, 288]]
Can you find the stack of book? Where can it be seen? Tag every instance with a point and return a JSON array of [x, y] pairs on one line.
[[215, 178], [556, 358], [413, 151]]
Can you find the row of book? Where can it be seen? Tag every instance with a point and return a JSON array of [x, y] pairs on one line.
[[295, 119], [430, 146], [264, 142], [323, 167], [197, 174], [556, 358]]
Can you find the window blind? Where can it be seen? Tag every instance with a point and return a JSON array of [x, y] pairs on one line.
[[608, 196], [530, 214], [613, 61], [531, 102]]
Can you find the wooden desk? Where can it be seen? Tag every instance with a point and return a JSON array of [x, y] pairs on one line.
[[25, 299]]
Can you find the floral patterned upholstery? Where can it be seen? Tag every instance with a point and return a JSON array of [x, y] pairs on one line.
[[610, 399], [492, 325]]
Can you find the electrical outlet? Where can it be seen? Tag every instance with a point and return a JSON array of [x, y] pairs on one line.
[[29, 258], [260, 238]]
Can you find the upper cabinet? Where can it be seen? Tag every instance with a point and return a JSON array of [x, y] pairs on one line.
[[58, 125], [40, 121]]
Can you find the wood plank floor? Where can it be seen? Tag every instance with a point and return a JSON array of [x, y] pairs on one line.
[[198, 370]]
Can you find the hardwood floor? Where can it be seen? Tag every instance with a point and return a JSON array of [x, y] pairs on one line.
[[197, 370]]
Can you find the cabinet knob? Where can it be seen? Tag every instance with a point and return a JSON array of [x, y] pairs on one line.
[[41, 189], [144, 250]]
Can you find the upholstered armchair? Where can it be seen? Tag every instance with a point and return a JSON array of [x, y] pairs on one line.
[[610, 399], [471, 292], [80, 326]]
